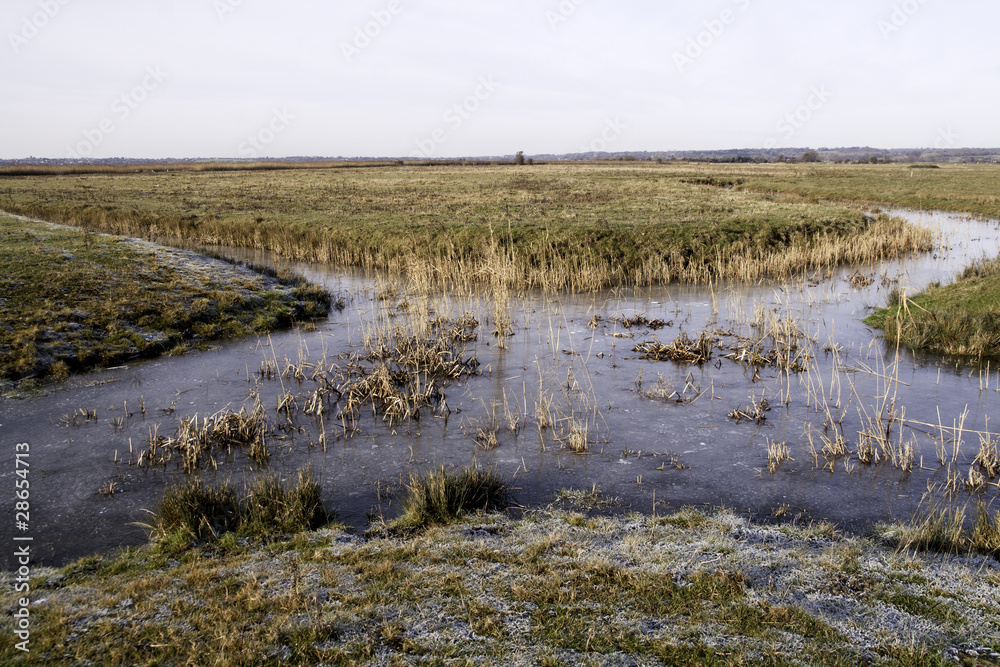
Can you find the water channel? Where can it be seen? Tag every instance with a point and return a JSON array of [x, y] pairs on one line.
[[659, 435]]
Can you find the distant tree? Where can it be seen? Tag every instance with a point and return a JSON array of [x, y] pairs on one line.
[[519, 158], [809, 156]]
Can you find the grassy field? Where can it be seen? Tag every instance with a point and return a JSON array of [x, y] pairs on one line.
[[553, 588], [563, 226], [73, 300], [965, 188]]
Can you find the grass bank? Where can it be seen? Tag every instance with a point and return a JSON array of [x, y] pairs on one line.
[[562, 226], [553, 588], [961, 318], [73, 300]]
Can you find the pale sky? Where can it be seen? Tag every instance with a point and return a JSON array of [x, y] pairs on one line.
[[443, 78]]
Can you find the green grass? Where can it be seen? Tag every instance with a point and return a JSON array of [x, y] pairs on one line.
[[960, 318], [73, 300]]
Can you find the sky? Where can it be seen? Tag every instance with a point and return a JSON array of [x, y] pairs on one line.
[[443, 78]]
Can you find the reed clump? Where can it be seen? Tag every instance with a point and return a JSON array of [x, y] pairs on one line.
[[950, 529], [442, 495], [777, 454], [194, 510], [663, 390], [754, 411], [198, 440], [640, 320], [682, 349]]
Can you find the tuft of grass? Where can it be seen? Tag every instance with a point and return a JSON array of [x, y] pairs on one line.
[[193, 511], [441, 495], [197, 511], [272, 507], [949, 529]]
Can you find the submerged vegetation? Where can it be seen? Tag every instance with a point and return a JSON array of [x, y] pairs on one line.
[[577, 227], [73, 299], [961, 318]]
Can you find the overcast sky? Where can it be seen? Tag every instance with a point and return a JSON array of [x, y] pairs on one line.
[[439, 78]]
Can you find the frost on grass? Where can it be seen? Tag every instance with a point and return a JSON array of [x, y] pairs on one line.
[[550, 587]]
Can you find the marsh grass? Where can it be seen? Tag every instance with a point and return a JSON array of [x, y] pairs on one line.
[[682, 349], [196, 441], [755, 411], [273, 507], [948, 528], [575, 227], [442, 495], [777, 454]]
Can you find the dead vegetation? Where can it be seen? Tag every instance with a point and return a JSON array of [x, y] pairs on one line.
[[755, 411], [682, 349], [196, 441]]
